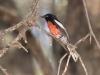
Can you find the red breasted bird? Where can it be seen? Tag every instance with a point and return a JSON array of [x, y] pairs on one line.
[[58, 30], [56, 27]]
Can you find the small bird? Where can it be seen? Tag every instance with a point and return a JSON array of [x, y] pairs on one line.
[[56, 27], [58, 30]]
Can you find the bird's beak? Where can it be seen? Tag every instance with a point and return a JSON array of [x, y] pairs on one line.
[[42, 16]]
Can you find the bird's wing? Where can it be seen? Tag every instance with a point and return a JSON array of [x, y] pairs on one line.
[[61, 28]]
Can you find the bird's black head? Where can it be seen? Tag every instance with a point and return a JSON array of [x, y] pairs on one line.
[[49, 17]]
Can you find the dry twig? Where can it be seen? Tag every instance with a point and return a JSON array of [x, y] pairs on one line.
[[66, 65], [82, 39], [83, 65], [4, 70], [61, 62], [89, 25]]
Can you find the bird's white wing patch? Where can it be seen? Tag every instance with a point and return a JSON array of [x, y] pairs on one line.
[[59, 24]]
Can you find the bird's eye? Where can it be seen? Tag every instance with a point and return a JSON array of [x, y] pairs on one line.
[[47, 16]]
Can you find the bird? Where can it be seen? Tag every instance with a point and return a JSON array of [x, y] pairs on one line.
[[56, 27], [59, 31]]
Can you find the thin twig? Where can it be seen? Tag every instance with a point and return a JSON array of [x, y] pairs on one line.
[[66, 67], [3, 51], [83, 65], [60, 63], [82, 39], [4, 70], [89, 25], [90, 38]]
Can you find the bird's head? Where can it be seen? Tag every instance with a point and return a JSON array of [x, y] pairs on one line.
[[49, 17]]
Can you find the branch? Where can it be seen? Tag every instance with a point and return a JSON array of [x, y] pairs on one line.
[[4, 70], [62, 58], [66, 66], [82, 39], [89, 25], [83, 65], [15, 42]]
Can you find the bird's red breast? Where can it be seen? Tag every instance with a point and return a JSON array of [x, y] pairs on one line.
[[53, 29]]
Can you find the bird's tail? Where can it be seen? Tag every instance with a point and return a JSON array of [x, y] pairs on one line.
[[72, 51], [75, 56]]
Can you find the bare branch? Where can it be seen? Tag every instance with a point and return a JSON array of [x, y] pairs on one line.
[[4, 70], [66, 67], [60, 63], [83, 65], [89, 25], [82, 39], [3, 51]]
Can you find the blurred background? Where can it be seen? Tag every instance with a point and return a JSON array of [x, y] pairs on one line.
[[43, 59]]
